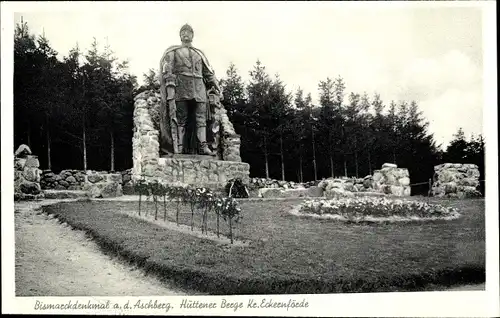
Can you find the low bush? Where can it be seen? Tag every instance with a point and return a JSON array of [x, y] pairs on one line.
[[235, 188]]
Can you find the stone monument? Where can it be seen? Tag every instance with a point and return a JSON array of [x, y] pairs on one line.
[[182, 133], [456, 180]]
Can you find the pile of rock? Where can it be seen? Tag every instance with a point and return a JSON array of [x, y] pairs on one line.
[[345, 187], [259, 183], [392, 180], [26, 175], [231, 148], [101, 184], [145, 141], [456, 180], [64, 180]]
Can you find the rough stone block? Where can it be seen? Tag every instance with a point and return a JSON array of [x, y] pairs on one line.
[[31, 174], [22, 151], [71, 180], [30, 188], [32, 162]]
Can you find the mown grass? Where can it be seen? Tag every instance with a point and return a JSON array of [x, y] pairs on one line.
[[291, 255]]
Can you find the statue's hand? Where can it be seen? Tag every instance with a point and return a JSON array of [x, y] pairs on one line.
[[170, 92]]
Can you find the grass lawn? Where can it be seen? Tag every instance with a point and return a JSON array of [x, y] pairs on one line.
[[292, 255]]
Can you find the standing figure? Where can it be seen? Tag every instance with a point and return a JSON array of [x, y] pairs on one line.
[[185, 78]]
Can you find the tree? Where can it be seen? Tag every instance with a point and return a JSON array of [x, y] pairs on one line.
[[281, 116], [233, 88], [457, 149], [327, 119], [52, 91], [234, 101], [25, 84], [257, 117], [340, 119], [375, 131], [300, 122], [151, 81], [391, 129]]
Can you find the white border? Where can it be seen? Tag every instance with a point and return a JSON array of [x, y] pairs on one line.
[[459, 304]]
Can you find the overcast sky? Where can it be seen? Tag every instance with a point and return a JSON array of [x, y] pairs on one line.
[[431, 54]]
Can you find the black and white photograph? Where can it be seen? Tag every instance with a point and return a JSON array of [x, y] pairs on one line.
[[250, 158]]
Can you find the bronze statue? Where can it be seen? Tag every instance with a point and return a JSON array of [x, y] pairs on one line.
[[187, 85]]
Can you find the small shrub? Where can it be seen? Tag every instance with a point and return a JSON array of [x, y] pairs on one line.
[[235, 188]]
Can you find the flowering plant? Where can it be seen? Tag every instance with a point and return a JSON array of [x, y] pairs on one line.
[[374, 209], [200, 198]]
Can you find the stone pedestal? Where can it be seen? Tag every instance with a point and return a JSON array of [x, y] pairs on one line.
[[392, 180], [456, 180], [192, 170], [26, 175]]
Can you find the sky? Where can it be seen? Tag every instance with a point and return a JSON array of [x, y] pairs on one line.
[[428, 53]]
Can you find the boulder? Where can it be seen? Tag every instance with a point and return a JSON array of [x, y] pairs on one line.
[[30, 188], [71, 179], [338, 193], [389, 165], [397, 190], [19, 164], [31, 175], [94, 178], [32, 161], [405, 181], [22, 151], [103, 190]]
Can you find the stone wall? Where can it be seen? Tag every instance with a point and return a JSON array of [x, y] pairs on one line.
[[26, 175], [198, 170], [259, 183], [195, 170], [456, 180], [101, 184], [95, 183], [64, 180], [334, 187], [392, 180]]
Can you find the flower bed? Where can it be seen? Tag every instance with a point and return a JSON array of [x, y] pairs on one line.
[[374, 209], [201, 200]]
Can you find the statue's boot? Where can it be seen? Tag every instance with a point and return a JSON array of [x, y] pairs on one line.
[[201, 133], [180, 139]]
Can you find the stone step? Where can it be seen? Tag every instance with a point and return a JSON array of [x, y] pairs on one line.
[[64, 194]]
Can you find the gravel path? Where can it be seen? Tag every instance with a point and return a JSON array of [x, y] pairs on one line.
[[54, 260]]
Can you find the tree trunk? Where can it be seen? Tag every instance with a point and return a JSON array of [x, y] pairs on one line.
[[28, 132], [83, 122], [231, 229], [345, 167], [369, 164], [266, 157], [49, 162], [393, 155], [84, 146], [112, 151], [301, 173], [331, 165], [282, 159], [314, 156], [356, 163]]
